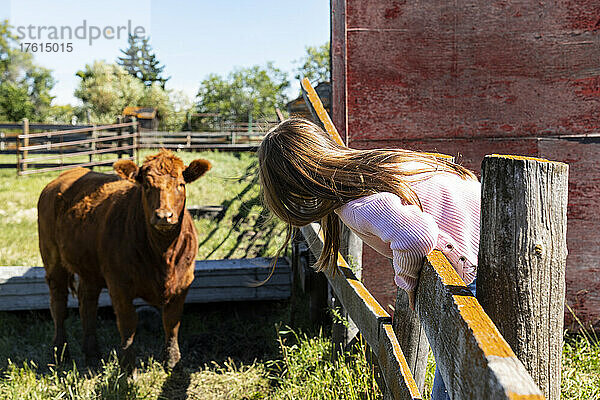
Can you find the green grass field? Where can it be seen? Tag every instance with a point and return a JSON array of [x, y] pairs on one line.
[[230, 351]]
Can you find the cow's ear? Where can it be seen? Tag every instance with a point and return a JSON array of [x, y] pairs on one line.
[[195, 170], [126, 169]]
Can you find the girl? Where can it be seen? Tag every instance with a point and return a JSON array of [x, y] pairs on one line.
[[402, 203]]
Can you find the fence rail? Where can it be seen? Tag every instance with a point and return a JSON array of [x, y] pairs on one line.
[[240, 139], [474, 359]]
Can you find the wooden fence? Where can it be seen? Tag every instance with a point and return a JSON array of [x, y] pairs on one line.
[[61, 149], [474, 359], [229, 140], [10, 131]]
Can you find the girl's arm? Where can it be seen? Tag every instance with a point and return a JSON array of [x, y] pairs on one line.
[[410, 232]]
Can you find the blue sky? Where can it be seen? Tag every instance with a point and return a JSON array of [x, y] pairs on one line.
[[192, 38]]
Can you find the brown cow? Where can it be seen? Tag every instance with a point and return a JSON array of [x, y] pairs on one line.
[[133, 236]]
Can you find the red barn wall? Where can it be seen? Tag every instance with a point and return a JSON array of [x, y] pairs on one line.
[[471, 78]]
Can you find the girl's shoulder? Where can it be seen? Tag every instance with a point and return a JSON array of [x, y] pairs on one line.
[[370, 199]]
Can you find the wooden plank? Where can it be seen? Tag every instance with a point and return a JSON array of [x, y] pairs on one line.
[[473, 358], [397, 376], [316, 108], [356, 299], [224, 147], [35, 126], [67, 166], [371, 319], [166, 135], [412, 338], [524, 209], [77, 130], [78, 142], [24, 288], [80, 153]]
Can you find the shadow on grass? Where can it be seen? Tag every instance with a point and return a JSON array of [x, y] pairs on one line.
[[211, 335], [249, 233]]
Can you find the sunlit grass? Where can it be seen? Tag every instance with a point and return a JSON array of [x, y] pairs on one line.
[[255, 359]]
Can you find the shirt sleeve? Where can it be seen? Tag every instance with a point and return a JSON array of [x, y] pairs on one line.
[[410, 233]]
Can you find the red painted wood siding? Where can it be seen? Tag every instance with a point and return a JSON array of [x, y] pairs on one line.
[[470, 78]]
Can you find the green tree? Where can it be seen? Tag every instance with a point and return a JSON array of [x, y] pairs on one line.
[[315, 65], [255, 91], [24, 86], [106, 89], [140, 61]]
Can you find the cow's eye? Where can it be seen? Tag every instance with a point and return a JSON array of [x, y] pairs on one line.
[[181, 186]]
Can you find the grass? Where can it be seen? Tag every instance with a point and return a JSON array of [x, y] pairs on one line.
[[240, 232], [256, 359]]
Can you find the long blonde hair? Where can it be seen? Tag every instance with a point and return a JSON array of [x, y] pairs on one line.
[[305, 175]]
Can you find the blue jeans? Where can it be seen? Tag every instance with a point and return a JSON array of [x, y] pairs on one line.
[[439, 391]]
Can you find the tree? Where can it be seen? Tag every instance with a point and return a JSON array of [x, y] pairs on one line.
[[255, 91], [106, 89], [24, 86], [140, 61], [316, 64]]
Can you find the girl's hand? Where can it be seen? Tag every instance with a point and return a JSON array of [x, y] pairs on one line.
[[412, 294]]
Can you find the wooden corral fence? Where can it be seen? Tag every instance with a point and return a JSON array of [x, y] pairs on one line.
[[238, 136], [47, 147], [9, 132], [474, 359], [64, 148]]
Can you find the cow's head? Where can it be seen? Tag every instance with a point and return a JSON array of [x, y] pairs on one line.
[[163, 177]]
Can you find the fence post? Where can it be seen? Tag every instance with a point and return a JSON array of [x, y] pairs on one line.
[[93, 145], [412, 338], [135, 140], [120, 141], [25, 141], [522, 256], [351, 250]]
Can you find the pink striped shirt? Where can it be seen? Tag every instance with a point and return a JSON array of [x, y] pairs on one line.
[[449, 222]]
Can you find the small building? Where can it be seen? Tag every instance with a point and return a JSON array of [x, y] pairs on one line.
[[148, 117], [297, 107]]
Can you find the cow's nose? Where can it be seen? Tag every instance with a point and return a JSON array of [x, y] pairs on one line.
[[163, 214]]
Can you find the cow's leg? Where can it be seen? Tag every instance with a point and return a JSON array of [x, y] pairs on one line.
[[171, 317], [58, 279], [127, 323], [88, 292]]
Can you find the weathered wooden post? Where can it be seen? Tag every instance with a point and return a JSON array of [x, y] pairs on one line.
[[24, 153], [351, 249], [412, 338], [119, 134], [93, 145], [135, 140], [522, 255]]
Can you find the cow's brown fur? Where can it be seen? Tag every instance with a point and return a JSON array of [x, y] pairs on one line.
[[130, 233]]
